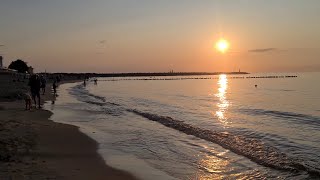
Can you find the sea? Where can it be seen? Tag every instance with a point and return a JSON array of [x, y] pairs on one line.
[[255, 126]]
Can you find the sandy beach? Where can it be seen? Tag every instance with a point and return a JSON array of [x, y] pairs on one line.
[[34, 147]]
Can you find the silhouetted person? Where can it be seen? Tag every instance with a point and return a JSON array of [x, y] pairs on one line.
[[95, 81], [34, 83], [43, 84], [84, 82], [54, 87]]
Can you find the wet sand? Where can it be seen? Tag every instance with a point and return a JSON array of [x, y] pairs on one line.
[[34, 147]]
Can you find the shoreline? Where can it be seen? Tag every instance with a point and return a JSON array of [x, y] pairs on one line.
[[46, 149]]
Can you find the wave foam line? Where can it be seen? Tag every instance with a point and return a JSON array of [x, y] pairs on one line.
[[254, 149]]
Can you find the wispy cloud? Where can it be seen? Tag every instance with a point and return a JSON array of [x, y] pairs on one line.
[[264, 50], [101, 46], [102, 41], [1, 45]]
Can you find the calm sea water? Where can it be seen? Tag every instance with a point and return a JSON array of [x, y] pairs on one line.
[[223, 127]]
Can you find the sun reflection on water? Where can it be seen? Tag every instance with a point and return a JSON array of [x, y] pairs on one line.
[[215, 166], [223, 103]]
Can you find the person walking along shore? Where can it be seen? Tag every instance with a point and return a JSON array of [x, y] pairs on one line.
[[35, 84]]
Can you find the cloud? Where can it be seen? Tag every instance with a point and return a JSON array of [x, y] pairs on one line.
[[265, 50], [1, 45]]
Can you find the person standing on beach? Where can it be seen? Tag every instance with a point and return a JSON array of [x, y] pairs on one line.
[[34, 83], [54, 87], [43, 84]]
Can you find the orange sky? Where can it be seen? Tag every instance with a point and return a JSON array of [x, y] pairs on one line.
[[148, 36]]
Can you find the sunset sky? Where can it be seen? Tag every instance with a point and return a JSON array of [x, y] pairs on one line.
[[161, 35]]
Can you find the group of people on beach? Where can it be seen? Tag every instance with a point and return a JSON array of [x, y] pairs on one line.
[[37, 86]]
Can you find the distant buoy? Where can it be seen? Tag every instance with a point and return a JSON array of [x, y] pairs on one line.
[[256, 86]]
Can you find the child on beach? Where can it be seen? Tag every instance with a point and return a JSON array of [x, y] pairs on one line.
[[27, 99]]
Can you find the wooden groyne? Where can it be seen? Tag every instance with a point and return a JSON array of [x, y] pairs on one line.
[[200, 78], [127, 75], [257, 77]]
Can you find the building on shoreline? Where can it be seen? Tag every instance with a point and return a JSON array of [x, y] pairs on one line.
[[1, 64], [4, 70], [30, 70]]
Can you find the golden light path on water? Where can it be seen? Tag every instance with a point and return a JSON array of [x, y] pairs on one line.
[[223, 103], [215, 165]]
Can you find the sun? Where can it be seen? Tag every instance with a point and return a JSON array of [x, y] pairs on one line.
[[222, 45]]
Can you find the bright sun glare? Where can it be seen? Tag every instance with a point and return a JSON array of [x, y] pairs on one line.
[[222, 45]]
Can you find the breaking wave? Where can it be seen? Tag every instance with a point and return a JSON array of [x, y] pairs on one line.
[[254, 149], [85, 96]]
